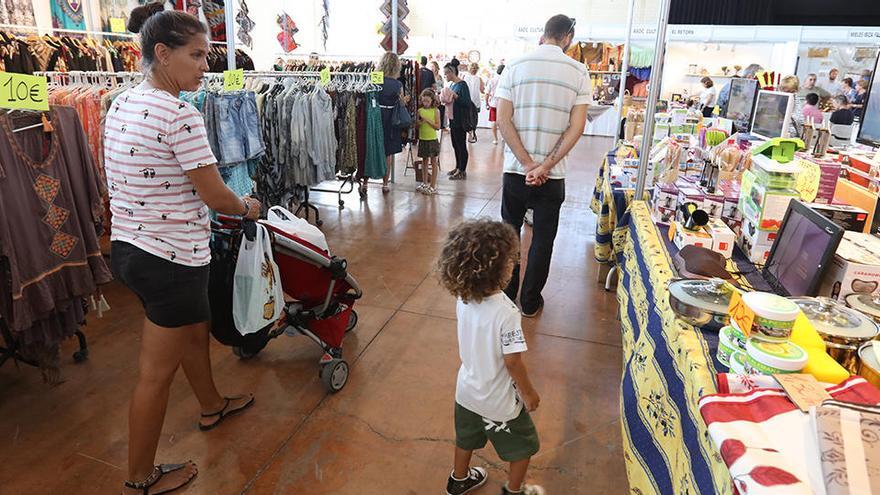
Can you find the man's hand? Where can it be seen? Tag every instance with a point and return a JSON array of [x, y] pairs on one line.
[[538, 175], [531, 400]]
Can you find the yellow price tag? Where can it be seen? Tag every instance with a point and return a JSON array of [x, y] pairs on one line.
[[807, 181], [377, 77], [24, 92], [117, 25], [325, 76], [740, 313], [233, 80]]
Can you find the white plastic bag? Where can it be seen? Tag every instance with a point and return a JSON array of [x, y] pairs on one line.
[[257, 296], [283, 219]]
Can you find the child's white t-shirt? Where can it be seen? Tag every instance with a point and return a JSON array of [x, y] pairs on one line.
[[486, 332]]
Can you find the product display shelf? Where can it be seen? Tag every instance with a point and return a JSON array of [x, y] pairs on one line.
[[668, 366], [713, 76]]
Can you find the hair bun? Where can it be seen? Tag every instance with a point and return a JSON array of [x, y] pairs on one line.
[[139, 15]]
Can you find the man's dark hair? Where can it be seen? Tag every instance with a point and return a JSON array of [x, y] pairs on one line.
[[558, 27], [424, 60], [452, 67], [812, 99]]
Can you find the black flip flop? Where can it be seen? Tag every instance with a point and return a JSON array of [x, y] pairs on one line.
[[225, 412], [158, 473]]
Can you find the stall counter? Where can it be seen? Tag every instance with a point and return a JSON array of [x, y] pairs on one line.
[[668, 366]]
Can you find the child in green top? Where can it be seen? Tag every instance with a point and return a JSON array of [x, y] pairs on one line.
[[429, 144]]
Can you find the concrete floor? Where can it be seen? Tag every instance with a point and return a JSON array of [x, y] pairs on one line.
[[390, 430]]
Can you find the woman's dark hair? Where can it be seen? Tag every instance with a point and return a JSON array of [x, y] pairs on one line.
[[452, 67], [707, 82], [456, 62], [500, 69], [848, 81], [172, 28], [812, 99]]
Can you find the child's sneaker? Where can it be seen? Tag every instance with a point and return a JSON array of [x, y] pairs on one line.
[[526, 490], [476, 478]]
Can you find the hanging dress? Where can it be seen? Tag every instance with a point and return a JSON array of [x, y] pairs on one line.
[[375, 167]]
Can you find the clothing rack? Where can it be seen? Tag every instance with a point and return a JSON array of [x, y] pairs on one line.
[[11, 352], [347, 186], [17, 27]]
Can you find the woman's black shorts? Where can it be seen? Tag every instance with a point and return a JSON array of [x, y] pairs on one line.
[[173, 295]]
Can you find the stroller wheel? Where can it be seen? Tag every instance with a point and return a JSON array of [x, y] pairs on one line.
[[352, 321], [334, 375]]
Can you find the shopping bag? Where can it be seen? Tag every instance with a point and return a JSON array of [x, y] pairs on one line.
[[400, 116], [257, 298], [282, 219]]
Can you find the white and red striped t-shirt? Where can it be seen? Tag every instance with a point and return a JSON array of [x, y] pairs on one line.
[[151, 139]]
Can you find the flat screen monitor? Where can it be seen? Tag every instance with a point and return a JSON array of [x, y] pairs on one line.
[[869, 129], [773, 111], [802, 251], [742, 101]]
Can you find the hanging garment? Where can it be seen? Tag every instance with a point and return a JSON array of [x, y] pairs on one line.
[[17, 12], [348, 139], [51, 212], [323, 144], [375, 166], [111, 9], [68, 14], [215, 14]]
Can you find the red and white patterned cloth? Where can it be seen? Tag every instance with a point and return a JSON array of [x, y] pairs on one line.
[[768, 444]]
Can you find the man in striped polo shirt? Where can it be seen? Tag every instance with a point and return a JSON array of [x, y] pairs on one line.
[[542, 109]]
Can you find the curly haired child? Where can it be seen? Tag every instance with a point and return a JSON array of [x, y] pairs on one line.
[[493, 395]]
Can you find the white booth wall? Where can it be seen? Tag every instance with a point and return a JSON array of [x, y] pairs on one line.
[[779, 57]]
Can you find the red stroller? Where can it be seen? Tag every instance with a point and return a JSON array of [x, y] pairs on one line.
[[322, 290]]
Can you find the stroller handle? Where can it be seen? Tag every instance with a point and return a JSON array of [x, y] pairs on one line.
[[235, 223]]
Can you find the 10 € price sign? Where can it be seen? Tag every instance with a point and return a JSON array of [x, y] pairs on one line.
[[23, 92], [377, 77], [233, 80], [325, 76]]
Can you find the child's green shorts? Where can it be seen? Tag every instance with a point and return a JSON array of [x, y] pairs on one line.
[[513, 440]]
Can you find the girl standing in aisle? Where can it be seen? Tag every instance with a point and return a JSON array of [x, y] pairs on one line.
[[459, 100], [162, 178], [429, 145]]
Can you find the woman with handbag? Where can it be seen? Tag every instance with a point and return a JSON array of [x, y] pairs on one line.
[[463, 115], [392, 102]]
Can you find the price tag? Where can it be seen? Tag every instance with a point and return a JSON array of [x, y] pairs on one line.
[[117, 25], [325, 76], [804, 390], [807, 181], [24, 92], [377, 77], [233, 80], [740, 313]]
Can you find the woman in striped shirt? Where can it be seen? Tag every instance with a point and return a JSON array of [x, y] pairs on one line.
[[163, 178]]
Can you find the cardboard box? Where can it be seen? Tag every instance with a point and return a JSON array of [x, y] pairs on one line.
[[684, 237], [714, 205], [757, 236], [855, 268], [766, 207], [663, 216], [666, 196], [723, 238], [848, 217], [735, 224], [757, 254]]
